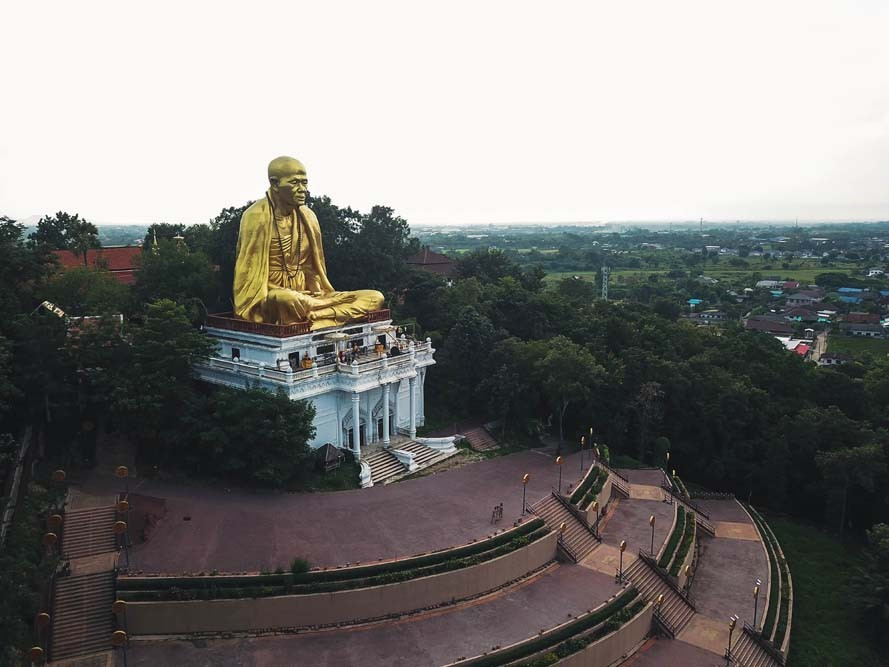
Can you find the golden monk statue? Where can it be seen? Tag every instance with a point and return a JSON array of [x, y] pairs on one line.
[[280, 275]]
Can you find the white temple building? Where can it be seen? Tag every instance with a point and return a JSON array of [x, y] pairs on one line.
[[365, 380]]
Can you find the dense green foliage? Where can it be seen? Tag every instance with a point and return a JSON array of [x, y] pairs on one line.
[[689, 529], [64, 231], [739, 412], [827, 629], [25, 569], [870, 589]]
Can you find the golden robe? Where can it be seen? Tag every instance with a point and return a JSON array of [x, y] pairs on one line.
[[265, 293]]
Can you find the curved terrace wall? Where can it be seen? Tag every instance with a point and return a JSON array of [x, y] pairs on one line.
[[319, 609], [620, 643]]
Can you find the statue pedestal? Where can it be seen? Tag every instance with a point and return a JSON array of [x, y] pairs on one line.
[[343, 371]]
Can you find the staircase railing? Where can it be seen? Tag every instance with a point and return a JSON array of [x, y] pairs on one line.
[[612, 470], [652, 563], [764, 644], [685, 500], [569, 552], [665, 627], [577, 514]]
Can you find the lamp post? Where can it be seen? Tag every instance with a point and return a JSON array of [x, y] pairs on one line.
[[731, 629], [658, 604], [120, 528], [42, 621], [756, 600], [582, 443], [668, 459], [651, 523], [525, 479], [559, 463], [122, 472], [562, 527], [620, 570], [119, 639], [596, 510]]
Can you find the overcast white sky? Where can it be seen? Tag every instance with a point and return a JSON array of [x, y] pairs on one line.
[[449, 112]]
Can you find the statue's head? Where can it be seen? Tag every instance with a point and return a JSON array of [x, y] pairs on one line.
[[287, 178]]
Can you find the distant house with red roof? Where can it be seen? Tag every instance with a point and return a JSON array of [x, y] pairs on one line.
[[120, 261], [860, 318], [433, 262]]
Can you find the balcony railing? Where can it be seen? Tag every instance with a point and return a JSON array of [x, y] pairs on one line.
[[231, 323], [368, 363]]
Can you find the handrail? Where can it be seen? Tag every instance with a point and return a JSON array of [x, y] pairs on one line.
[[711, 495], [652, 563], [685, 500], [577, 514], [664, 624], [764, 643], [563, 545], [611, 470]]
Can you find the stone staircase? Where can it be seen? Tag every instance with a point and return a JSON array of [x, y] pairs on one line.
[[423, 456], [480, 440], [676, 611], [87, 532], [385, 466], [82, 620], [746, 652], [578, 537]]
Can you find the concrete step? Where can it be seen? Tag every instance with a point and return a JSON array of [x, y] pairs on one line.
[[480, 440], [88, 532], [82, 618], [675, 609]]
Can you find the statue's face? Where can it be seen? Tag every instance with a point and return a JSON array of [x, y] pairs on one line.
[[292, 188]]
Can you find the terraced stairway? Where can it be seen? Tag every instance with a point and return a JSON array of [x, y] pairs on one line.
[[748, 653], [676, 611], [578, 537], [384, 466], [88, 532], [480, 440], [82, 620]]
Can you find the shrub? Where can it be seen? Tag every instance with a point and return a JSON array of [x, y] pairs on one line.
[[299, 566]]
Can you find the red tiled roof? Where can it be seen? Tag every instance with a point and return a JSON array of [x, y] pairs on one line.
[[861, 318], [114, 258], [802, 349], [432, 262], [121, 261]]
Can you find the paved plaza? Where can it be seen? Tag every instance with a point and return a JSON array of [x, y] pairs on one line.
[[431, 639], [207, 529]]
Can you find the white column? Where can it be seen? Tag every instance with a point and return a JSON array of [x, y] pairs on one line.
[[423, 396], [386, 415], [367, 424], [356, 425], [413, 397]]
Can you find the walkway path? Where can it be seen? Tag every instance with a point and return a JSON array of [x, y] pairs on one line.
[[430, 639], [208, 528]]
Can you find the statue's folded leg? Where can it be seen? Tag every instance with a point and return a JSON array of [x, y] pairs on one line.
[[363, 301], [284, 306]]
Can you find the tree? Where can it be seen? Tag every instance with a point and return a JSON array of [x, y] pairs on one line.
[[225, 227], [648, 407], [251, 435], [88, 291], [83, 237], [870, 589], [170, 271], [64, 231], [154, 385], [566, 373], [488, 265], [852, 466]]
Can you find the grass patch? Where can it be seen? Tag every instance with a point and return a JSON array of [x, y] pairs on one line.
[[688, 538], [825, 630], [858, 345], [673, 542]]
